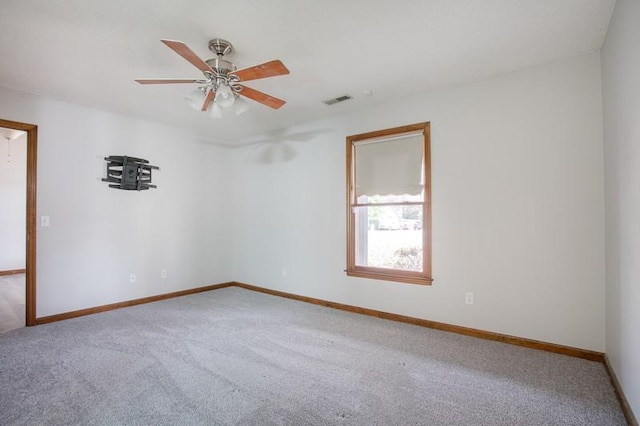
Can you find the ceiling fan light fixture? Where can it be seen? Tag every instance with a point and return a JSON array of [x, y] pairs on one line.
[[224, 96]]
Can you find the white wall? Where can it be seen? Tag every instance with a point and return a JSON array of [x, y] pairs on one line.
[[621, 96], [517, 219], [99, 235], [13, 199], [518, 214]]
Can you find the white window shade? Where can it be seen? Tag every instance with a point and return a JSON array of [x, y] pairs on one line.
[[390, 166]]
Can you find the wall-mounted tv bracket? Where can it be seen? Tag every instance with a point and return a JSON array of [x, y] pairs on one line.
[[129, 173]]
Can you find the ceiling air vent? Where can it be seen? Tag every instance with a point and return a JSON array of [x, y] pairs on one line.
[[337, 100]]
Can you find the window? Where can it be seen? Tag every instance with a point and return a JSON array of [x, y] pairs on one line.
[[389, 204]]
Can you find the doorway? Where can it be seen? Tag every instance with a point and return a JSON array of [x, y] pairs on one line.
[[30, 234]]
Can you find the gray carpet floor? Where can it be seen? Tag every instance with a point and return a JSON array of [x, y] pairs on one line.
[[237, 357]]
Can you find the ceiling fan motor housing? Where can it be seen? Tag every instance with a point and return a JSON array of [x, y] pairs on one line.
[[221, 66], [220, 47]]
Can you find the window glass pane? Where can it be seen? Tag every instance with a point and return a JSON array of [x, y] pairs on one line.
[[389, 237]]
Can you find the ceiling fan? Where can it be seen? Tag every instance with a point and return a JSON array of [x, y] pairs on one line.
[[221, 85]]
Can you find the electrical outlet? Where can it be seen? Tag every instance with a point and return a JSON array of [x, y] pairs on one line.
[[163, 273], [468, 298], [132, 278], [44, 221], [284, 272]]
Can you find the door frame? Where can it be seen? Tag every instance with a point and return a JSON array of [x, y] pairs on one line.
[[32, 157]]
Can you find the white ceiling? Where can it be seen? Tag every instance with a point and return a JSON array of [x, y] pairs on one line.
[[89, 51]]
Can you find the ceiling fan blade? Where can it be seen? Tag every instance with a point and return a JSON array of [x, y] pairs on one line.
[[165, 80], [263, 98], [207, 100], [268, 69], [181, 49]]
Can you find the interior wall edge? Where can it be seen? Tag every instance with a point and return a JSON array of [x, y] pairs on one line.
[[622, 399]]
